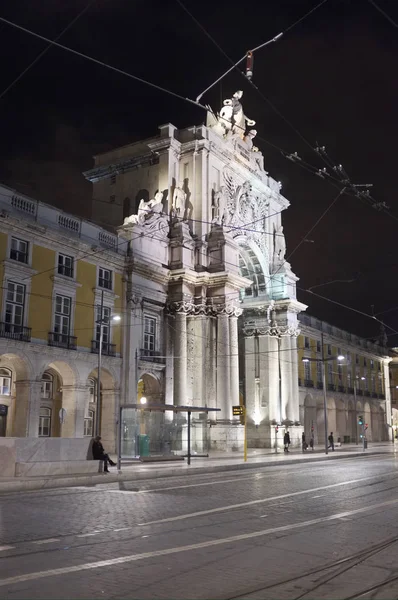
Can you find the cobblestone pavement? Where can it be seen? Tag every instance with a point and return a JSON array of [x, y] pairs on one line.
[[316, 530]]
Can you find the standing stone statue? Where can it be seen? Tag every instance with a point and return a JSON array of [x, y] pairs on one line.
[[179, 201], [279, 244], [220, 207]]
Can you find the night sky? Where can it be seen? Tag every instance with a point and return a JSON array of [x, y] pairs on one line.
[[333, 77]]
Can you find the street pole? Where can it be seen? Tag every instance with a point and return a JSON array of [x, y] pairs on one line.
[[245, 439], [325, 402], [101, 324], [355, 408]]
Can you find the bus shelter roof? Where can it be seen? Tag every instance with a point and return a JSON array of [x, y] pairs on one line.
[[176, 409]]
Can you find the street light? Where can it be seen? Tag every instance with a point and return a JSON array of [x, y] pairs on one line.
[[323, 360], [101, 322]]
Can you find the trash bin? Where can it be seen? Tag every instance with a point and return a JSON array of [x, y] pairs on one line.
[[143, 445], [365, 444]]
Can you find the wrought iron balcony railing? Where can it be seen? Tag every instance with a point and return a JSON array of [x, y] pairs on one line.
[[151, 356], [15, 332], [61, 340], [107, 349]]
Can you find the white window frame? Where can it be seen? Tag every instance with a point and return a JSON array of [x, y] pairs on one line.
[[307, 343], [100, 278], [11, 249], [46, 417], [5, 381], [92, 385], [307, 371], [349, 380], [73, 266], [12, 303], [154, 319], [319, 372], [47, 386], [55, 313], [89, 421], [106, 327]]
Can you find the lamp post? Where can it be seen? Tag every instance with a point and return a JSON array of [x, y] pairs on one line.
[[101, 322], [324, 360]]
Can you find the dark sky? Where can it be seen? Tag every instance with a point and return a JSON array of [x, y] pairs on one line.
[[333, 77]]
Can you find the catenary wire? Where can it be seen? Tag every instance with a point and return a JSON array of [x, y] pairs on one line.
[[383, 12], [102, 64], [43, 52]]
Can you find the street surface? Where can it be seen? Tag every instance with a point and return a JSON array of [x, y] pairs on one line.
[[316, 530]]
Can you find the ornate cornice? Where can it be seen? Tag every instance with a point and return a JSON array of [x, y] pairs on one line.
[[272, 331], [188, 307]]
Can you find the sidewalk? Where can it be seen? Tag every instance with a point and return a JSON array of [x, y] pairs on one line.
[[217, 462]]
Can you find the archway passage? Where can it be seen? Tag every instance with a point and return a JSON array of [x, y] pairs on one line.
[[310, 421], [108, 417], [14, 396], [250, 267]]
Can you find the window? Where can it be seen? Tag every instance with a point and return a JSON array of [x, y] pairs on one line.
[[45, 422], [19, 250], [330, 373], [92, 386], [47, 386], [318, 346], [149, 333], [62, 316], [372, 363], [106, 329], [105, 278], [306, 342], [365, 362], [340, 374], [113, 179], [348, 357], [349, 380], [5, 382], [88, 424], [365, 384], [329, 350], [307, 371], [65, 265], [373, 384], [319, 372], [357, 359], [15, 302]]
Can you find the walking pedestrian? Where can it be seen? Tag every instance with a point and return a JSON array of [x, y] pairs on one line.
[[312, 444], [286, 441], [100, 454], [331, 441]]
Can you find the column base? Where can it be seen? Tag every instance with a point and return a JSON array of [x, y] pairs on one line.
[[265, 436], [226, 436]]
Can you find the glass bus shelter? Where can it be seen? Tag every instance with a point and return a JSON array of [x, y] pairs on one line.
[[163, 430]]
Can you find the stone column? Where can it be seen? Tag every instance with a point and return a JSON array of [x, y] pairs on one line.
[[294, 409], [180, 359], [223, 368], [286, 377], [27, 408], [234, 362], [74, 400], [108, 419]]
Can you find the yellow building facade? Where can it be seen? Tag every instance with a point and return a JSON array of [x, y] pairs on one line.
[[61, 281], [357, 385]]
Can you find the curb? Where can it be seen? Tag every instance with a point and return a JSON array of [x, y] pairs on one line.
[[43, 483]]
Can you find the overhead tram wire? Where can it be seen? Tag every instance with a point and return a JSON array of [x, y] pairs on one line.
[[103, 64], [274, 108], [43, 52], [381, 11]]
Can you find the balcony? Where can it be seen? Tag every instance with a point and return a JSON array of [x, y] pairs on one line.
[[308, 383], [151, 356], [341, 389], [374, 395], [331, 387], [382, 397], [61, 340], [15, 332], [107, 349], [319, 385], [350, 390], [367, 393]]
